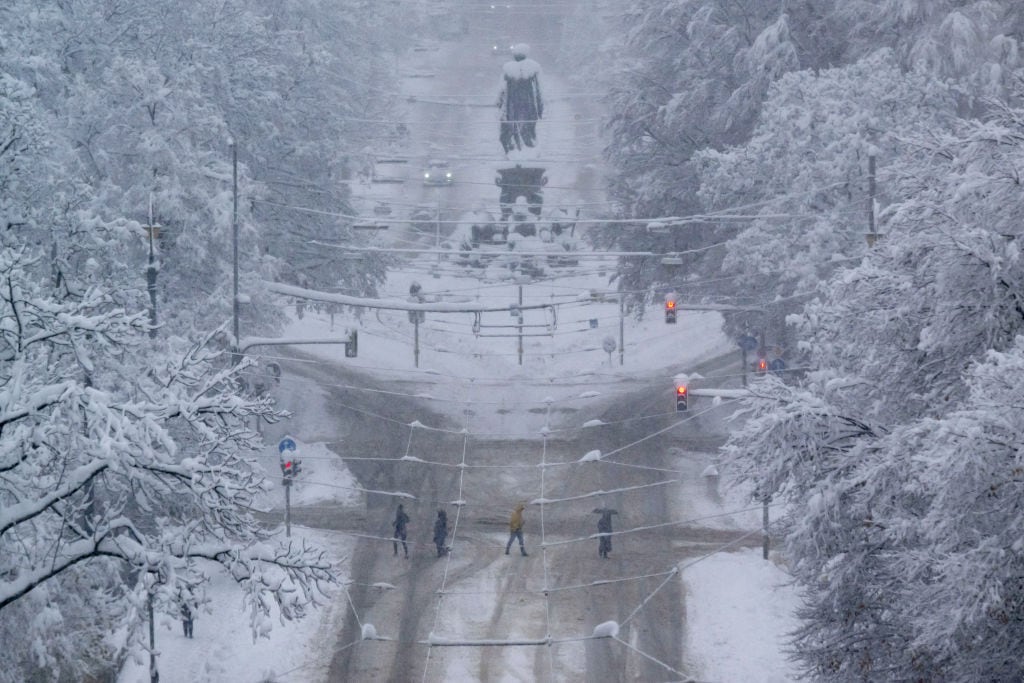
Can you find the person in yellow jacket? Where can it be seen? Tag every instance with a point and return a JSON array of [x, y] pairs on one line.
[[515, 528]]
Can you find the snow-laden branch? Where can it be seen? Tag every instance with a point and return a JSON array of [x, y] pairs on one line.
[[25, 510], [43, 398]]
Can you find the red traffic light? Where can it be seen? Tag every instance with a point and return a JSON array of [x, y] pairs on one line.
[[670, 305], [681, 397], [762, 365]]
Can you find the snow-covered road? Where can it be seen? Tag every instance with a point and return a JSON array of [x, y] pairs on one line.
[[475, 425]]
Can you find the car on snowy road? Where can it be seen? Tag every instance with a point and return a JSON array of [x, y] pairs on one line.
[[437, 172], [502, 47]]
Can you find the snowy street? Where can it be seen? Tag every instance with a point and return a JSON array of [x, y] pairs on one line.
[[588, 340], [471, 425]]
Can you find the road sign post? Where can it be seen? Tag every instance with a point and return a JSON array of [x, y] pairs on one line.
[[288, 470]]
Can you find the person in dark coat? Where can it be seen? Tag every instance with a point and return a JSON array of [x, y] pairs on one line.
[[515, 529], [187, 617], [520, 100], [401, 520], [441, 532], [604, 526]]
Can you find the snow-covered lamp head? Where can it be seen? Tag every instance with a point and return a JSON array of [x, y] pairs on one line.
[[520, 51]]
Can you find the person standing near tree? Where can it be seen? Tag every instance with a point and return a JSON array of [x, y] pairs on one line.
[[441, 532], [515, 528], [401, 520], [187, 609]]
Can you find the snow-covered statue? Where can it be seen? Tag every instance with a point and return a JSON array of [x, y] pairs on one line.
[[524, 221], [477, 226], [520, 100]]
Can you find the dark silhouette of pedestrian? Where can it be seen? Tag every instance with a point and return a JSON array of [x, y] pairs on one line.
[[515, 528], [441, 532], [604, 527], [401, 520], [187, 617]]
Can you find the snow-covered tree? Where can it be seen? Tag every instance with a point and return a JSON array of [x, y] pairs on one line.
[[972, 44], [147, 98], [898, 461], [805, 169], [692, 76], [113, 467], [687, 76]]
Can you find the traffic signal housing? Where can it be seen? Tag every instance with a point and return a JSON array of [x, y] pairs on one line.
[[670, 312], [288, 468], [762, 366], [681, 396]]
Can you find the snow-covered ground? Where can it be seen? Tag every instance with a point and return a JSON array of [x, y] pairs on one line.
[[223, 648], [738, 607]]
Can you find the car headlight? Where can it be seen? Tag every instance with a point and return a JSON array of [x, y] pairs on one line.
[[448, 175], [426, 176]]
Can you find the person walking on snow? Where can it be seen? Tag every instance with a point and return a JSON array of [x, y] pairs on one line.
[[441, 532], [401, 519], [187, 609], [520, 100], [515, 528], [604, 526]]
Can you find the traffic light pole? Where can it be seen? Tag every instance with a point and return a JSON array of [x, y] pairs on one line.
[[416, 341], [287, 507]]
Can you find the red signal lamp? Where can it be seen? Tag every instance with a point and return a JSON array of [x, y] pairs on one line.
[[669, 305], [681, 397]]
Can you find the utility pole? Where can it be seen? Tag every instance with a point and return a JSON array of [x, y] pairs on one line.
[[151, 271], [622, 333], [520, 325], [154, 675], [872, 236], [415, 317], [437, 234], [764, 532], [235, 355]]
